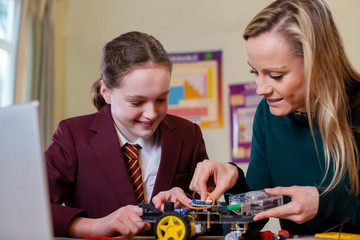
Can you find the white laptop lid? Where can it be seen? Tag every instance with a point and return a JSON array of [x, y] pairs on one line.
[[24, 202]]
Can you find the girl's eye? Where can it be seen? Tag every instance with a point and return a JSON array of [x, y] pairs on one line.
[[162, 100], [136, 103], [276, 77]]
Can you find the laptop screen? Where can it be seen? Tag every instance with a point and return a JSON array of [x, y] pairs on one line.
[[24, 202]]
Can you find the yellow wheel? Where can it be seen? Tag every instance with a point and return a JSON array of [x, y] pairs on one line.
[[172, 225]]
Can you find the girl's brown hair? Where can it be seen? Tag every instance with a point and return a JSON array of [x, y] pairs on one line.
[[123, 55]]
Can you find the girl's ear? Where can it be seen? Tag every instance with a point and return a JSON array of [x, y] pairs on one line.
[[105, 92]]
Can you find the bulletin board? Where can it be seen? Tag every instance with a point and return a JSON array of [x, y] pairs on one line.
[[195, 92], [243, 101]]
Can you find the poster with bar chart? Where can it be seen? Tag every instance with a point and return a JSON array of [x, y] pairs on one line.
[[195, 92]]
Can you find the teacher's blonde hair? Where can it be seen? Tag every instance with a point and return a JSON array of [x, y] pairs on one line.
[[309, 28]]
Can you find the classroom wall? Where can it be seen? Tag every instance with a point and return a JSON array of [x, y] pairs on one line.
[[84, 26]]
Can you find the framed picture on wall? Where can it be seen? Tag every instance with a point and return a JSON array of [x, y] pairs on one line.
[[195, 92], [243, 101]]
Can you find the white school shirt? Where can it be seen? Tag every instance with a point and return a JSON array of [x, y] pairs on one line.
[[149, 159]]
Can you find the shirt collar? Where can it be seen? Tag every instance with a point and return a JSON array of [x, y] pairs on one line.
[[140, 141]]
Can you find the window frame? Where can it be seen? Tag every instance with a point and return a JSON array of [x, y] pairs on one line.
[[9, 45]]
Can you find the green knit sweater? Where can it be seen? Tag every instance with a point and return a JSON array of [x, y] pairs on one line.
[[283, 154]]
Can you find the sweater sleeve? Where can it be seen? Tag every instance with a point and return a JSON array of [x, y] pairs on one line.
[[240, 185], [61, 169], [339, 205]]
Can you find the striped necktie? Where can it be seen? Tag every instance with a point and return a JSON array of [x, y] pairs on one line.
[[131, 154]]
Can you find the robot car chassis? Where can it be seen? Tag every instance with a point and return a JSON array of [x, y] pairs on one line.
[[197, 218]]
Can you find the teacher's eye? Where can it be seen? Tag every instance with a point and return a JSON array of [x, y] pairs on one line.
[[252, 71]]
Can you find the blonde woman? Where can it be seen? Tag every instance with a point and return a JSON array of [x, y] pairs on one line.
[[306, 129]]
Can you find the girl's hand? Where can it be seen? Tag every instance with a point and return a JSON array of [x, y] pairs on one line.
[[170, 196], [125, 221]]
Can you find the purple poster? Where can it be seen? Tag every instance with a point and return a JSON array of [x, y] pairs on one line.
[[243, 101]]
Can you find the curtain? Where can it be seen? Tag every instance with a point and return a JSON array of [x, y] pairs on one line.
[[35, 62]]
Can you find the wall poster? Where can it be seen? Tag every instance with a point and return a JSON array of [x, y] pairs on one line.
[[243, 101], [195, 92]]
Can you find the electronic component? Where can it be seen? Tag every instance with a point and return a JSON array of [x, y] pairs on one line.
[[253, 202]]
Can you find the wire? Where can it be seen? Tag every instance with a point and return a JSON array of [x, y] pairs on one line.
[[199, 208], [341, 225], [228, 194]]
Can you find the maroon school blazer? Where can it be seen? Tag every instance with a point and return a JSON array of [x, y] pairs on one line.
[[87, 172]]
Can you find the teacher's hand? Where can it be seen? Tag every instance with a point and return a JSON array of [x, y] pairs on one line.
[[213, 177], [303, 207]]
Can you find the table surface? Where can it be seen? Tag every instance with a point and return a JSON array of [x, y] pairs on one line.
[[151, 238], [223, 237], [203, 238]]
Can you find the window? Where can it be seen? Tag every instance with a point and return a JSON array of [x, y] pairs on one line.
[[9, 27]]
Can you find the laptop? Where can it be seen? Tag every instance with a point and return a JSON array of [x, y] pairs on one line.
[[24, 203]]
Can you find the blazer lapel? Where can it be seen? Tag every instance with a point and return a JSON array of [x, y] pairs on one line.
[[108, 152], [170, 152]]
